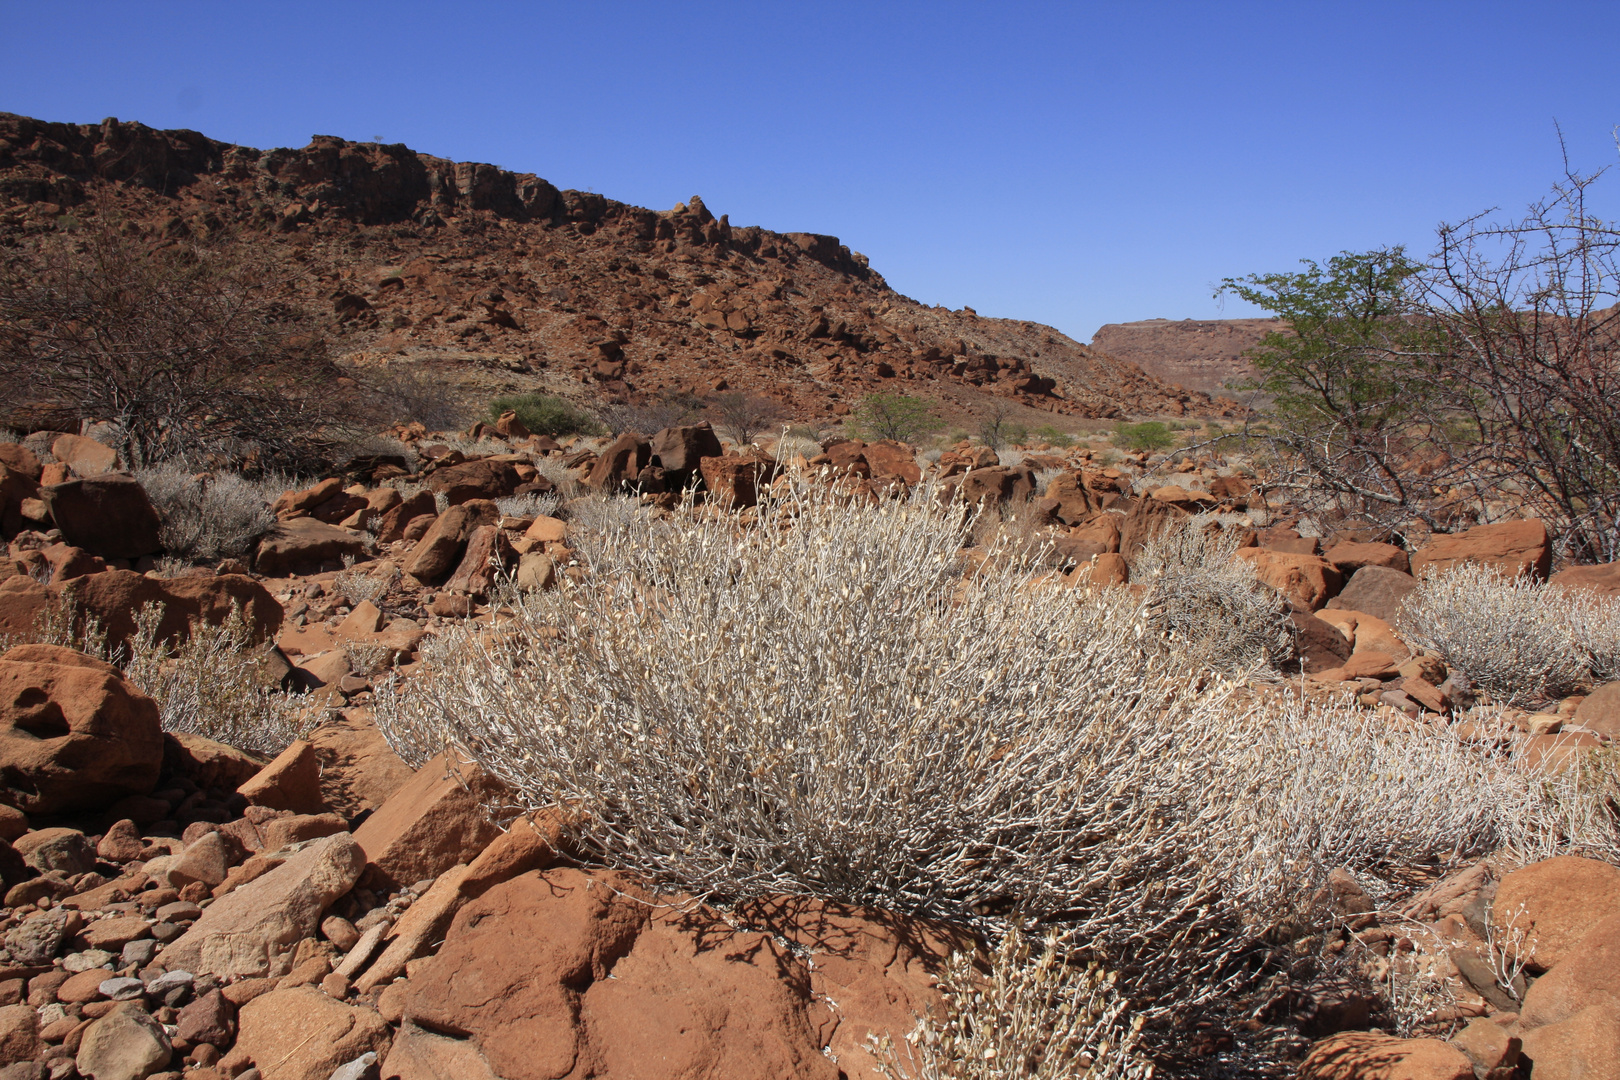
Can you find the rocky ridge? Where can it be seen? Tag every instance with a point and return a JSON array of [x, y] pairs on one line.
[[492, 281]]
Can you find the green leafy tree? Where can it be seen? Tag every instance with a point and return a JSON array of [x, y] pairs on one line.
[[896, 416], [1349, 355], [1149, 436], [1355, 396]]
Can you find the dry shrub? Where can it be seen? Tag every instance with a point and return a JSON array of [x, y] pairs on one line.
[[360, 586], [529, 506], [826, 700], [1515, 638], [1595, 624], [564, 479], [368, 658], [1033, 1015], [206, 516], [1208, 603], [215, 684]]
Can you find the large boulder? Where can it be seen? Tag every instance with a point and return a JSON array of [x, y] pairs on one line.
[[1369, 1055], [1308, 581], [1587, 976], [115, 596], [86, 457], [1376, 590], [23, 603], [1073, 503], [735, 480], [620, 463], [1584, 1047], [1350, 556], [107, 515], [488, 555], [304, 545], [441, 547], [890, 459], [431, 823], [1514, 548], [1553, 904], [358, 770], [125, 1044], [998, 484], [253, 930], [1600, 580], [402, 514], [677, 450], [74, 734], [301, 1034], [1601, 710], [485, 478], [523, 973]]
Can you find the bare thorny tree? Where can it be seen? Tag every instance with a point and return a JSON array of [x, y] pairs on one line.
[[1478, 384], [192, 351]]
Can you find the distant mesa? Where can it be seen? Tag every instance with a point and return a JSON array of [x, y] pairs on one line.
[[1199, 354]]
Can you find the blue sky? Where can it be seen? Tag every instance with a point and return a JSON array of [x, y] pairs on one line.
[[1075, 163]]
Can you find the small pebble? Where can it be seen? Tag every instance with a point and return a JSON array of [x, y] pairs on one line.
[[138, 953], [84, 961], [168, 981], [123, 989]]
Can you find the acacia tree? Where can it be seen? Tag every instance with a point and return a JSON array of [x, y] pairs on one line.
[[895, 416], [191, 351], [744, 416], [1481, 382]]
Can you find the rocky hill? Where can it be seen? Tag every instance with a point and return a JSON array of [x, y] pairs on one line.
[[1202, 354], [492, 281]]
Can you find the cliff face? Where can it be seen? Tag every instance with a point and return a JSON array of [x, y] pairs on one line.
[[1200, 354], [494, 281]]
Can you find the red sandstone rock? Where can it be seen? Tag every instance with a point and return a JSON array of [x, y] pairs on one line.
[[1513, 548], [1350, 557], [74, 735], [431, 823], [1365, 1055], [1586, 974], [1308, 581], [107, 515], [115, 596], [540, 1005], [291, 782], [307, 546], [1555, 903], [1600, 580]]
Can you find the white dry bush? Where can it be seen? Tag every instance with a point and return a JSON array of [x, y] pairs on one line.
[[215, 684], [789, 446], [1512, 636], [529, 506], [206, 516], [563, 479], [1595, 625], [825, 700], [1210, 604], [1034, 1014], [359, 586]]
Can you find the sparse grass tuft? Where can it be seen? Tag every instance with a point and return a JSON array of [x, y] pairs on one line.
[[1035, 1014]]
